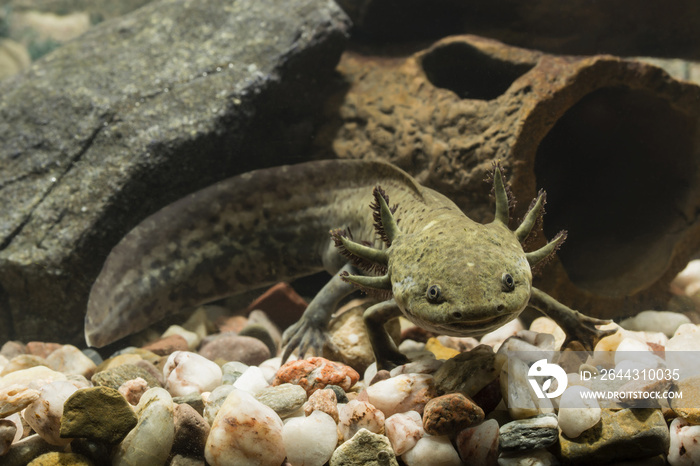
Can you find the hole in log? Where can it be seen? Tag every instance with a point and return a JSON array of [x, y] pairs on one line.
[[617, 168], [469, 72]]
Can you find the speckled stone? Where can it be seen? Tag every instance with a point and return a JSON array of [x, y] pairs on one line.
[[448, 414], [620, 435], [689, 406], [529, 434], [315, 373], [469, 372], [55, 458], [322, 400], [116, 376], [285, 399], [99, 413], [364, 448], [357, 415]]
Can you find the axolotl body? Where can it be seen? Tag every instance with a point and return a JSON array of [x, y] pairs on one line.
[[406, 244]]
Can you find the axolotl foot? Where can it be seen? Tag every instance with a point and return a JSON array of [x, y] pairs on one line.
[[577, 326], [305, 335]]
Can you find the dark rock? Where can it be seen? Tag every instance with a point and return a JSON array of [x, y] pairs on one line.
[[135, 113], [191, 431], [529, 434], [101, 414], [116, 376], [167, 345], [193, 399], [469, 372], [340, 394], [96, 451], [8, 429]]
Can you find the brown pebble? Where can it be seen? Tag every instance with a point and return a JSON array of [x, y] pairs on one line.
[[315, 373], [380, 375], [191, 431], [449, 414], [322, 400], [168, 345], [281, 303], [42, 349]]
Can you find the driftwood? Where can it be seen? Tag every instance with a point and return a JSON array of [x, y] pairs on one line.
[[614, 142]]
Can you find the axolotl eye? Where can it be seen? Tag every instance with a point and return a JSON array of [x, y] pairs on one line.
[[434, 294], [507, 282]]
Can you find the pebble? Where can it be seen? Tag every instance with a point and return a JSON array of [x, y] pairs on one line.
[[322, 400], [478, 445], [261, 333], [435, 451], [547, 326], [439, 350], [469, 372], [133, 390], [281, 303], [621, 435], [10, 349], [193, 339], [684, 449], [402, 393], [214, 401], [232, 347], [151, 440], [41, 348], [115, 377], [577, 412], [285, 399], [688, 407], [245, 432], [315, 373], [22, 362], [191, 431], [270, 367], [70, 360], [165, 346], [656, 321], [15, 398], [404, 430], [231, 371], [520, 399], [449, 414], [252, 380], [364, 448], [55, 458], [258, 317], [529, 458], [356, 415], [349, 336], [186, 372], [310, 440], [498, 336], [44, 414], [99, 413], [529, 434], [8, 429]]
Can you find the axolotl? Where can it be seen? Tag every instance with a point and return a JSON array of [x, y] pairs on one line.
[[368, 223]]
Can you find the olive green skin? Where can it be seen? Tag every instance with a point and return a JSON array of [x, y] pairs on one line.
[[467, 262]]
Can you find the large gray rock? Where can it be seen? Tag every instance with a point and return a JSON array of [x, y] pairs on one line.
[[134, 114]]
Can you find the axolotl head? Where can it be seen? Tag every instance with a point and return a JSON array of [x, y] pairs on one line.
[[460, 279], [452, 275]]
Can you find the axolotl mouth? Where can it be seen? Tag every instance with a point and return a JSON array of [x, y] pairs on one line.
[[474, 328]]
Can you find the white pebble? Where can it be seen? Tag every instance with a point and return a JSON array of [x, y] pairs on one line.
[[577, 413], [15, 398], [34, 377], [252, 380], [403, 431], [151, 440], [631, 349], [311, 440], [478, 445], [245, 432], [402, 393], [193, 339], [70, 360], [187, 372], [270, 367], [356, 415], [435, 451], [656, 321], [685, 444], [44, 414], [498, 336]]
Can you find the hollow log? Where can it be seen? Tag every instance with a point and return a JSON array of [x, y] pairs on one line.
[[614, 142]]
